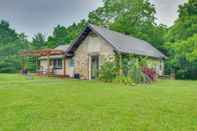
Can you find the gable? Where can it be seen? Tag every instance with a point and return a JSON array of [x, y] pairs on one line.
[[95, 44]]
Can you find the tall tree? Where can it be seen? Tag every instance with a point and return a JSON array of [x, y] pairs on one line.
[[75, 29], [181, 42], [186, 25], [11, 43], [59, 37], [38, 41], [63, 35], [132, 17]]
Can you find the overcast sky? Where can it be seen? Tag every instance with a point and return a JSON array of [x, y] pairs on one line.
[[33, 16]]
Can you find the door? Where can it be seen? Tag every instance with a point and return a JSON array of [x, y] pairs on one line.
[[94, 67]]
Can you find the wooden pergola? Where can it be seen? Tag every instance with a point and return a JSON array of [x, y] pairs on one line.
[[42, 52], [47, 53]]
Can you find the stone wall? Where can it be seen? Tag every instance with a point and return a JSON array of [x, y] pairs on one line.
[[93, 44]]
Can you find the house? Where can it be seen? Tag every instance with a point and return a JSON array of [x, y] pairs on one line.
[[95, 45], [57, 64]]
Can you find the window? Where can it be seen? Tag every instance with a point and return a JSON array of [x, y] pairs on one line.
[[57, 63]]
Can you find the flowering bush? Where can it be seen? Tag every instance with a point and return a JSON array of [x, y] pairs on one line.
[[127, 70], [150, 72], [136, 72]]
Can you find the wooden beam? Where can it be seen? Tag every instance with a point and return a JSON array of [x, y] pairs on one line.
[[36, 63], [48, 65], [64, 66], [43, 52]]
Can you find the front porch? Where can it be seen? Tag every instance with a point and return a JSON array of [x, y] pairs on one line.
[[49, 62]]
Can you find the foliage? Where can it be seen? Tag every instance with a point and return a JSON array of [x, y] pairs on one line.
[[181, 43], [125, 80], [62, 35], [38, 41], [75, 29], [107, 72], [11, 43], [184, 58], [130, 71], [136, 72], [186, 49], [119, 15], [59, 37], [150, 72], [186, 25], [98, 17]]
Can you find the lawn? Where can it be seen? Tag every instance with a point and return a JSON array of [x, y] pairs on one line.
[[50, 104]]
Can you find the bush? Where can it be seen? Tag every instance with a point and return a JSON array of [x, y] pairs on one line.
[[151, 73], [107, 72], [125, 80], [136, 72], [132, 69]]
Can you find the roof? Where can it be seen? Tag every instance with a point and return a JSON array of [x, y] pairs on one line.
[[62, 47], [121, 42]]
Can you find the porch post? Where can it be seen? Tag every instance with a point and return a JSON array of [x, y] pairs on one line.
[[120, 64], [23, 63], [64, 66], [36, 63], [48, 64]]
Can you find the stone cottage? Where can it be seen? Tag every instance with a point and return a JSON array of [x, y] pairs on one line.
[[96, 44]]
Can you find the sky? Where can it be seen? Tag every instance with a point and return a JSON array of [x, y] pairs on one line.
[[33, 16]]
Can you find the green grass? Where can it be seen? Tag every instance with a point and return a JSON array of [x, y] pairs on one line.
[[49, 104]]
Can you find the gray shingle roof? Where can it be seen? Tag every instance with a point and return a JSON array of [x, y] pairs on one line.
[[127, 44], [62, 47], [120, 42]]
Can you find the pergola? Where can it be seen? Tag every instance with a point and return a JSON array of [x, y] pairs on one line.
[[44, 52]]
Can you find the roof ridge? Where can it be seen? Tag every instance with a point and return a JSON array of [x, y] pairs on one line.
[[121, 42], [130, 36]]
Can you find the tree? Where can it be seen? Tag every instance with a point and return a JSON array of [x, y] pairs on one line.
[[75, 29], [11, 43], [181, 42], [6, 33], [38, 41], [187, 48], [131, 17], [186, 25], [99, 17], [59, 37], [63, 35]]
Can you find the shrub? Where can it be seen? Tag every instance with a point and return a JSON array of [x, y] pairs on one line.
[[107, 72], [125, 80], [151, 73], [135, 71]]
